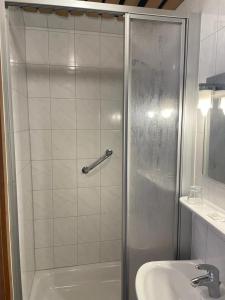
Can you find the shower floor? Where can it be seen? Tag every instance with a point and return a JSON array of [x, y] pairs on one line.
[[95, 282]]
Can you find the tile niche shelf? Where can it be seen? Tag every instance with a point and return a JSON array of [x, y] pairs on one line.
[[209, 212]]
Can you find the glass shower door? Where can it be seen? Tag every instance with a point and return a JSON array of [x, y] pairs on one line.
[[154, 74]]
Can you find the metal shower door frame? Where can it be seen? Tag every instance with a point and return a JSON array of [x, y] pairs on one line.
[[127, 93]]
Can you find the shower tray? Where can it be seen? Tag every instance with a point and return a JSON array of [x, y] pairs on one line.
[[96, 282]]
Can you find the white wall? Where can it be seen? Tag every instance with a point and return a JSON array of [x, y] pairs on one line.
[[208, 244], [75, 93], [21, 133]]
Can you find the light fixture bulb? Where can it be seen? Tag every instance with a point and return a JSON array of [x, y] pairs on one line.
[[205, 101], [222, 104]]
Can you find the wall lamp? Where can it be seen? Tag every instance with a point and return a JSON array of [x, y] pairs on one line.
[[209, 91]]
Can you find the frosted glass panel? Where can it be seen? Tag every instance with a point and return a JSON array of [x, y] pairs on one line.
[[153, 117]]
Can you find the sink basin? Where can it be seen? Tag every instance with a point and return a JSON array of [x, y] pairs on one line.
[[170, 280]]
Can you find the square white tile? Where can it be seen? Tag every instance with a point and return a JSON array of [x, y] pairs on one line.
[[88, 253], [15, 16], [64, 144], [38, 81], [42, 174], [65, 256], [41, 145], [111, 114], [62, 82], [44, 258], [112, 25], [37, 46], [92, 179], [61, 48], [22, 145], [88, 201], [43, 232], [87, 49], [111, 199], [88, 114], [43, 208], [88, 229], [88, 143], [63, 114], [39, 113], [64, 174], [207, 61], [60, 22], [65, 203], [64, 231], [18, 78], [87, 83], [111, 251], [111, 227], [87, 23], [111, 172], [17, 44], [209, 17], [20, 111], [111, 84], [35, 19], [112, 139], [111, 51]]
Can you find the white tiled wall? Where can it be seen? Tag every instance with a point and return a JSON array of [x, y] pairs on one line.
[[75, 92], [20, 115], [207, 244]]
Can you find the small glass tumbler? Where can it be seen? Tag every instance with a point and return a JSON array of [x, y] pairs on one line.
[[195, 195]]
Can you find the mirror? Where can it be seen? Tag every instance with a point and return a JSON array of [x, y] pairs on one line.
[[214, 138]]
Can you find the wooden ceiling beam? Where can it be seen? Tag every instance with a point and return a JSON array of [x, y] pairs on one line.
[[112, 1], [131, 2], [172, 4], [142, 3], [153, 3]]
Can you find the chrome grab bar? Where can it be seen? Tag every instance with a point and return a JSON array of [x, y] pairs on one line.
[[87, 169]]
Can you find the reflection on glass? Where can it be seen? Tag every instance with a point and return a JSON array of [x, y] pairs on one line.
[[150, 114], [205, 101], [116, 117], [166, 113]]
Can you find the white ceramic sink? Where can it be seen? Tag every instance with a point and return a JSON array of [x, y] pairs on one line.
[[170, 280]]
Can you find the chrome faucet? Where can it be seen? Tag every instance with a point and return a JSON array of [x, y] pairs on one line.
[[210, 280]]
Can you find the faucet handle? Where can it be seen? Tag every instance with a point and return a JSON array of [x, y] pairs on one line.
[[209, 268]]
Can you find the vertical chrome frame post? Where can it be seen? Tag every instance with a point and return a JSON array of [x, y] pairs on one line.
[[179, 140], [10, 156], [125, 151], [193, 25]]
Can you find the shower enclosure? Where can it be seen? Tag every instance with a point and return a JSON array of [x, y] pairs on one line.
[[95, 114]]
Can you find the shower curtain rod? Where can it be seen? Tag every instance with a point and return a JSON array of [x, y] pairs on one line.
[[92, 7]]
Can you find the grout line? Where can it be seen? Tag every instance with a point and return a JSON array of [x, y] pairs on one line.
[[82, 243]]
